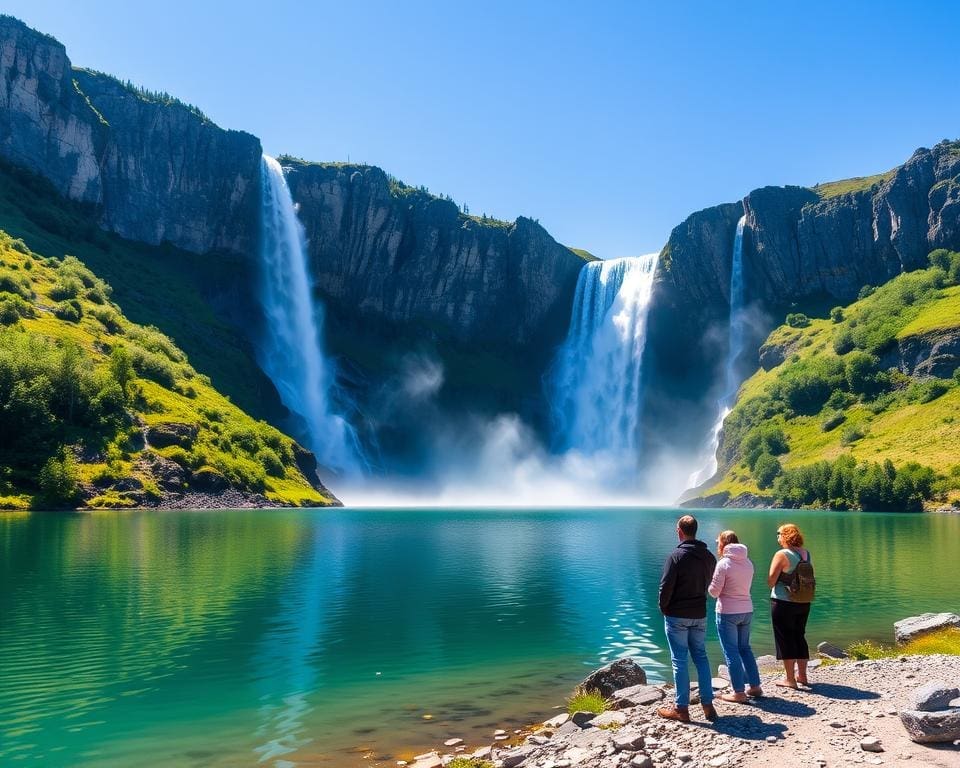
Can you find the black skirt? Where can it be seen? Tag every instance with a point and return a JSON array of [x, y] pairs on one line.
[[789, 628]]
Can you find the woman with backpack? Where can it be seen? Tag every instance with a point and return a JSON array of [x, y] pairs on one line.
[[731, 586], [791, 579]]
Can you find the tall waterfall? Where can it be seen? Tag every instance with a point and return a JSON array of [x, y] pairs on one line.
[[595, 386], [731, 380], [291, 352]]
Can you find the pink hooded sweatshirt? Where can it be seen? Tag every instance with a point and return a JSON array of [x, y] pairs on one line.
[[731, 581]]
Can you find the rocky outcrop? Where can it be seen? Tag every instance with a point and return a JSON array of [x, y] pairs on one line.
[[801, 247], [152, 169], [913, 627], [934, 353], [395, 255]]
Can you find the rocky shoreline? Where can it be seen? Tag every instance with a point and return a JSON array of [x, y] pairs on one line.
[[901, 710]]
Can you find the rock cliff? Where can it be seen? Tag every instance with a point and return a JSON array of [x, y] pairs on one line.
[[803, 249], [152, 169], [393, 254]]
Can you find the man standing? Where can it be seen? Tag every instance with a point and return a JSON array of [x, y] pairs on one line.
[[683, 603]]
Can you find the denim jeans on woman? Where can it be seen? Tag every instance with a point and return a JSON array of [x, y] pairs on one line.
[[683, 636], [734, 631]]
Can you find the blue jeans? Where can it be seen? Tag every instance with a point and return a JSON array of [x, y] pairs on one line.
[[685, 635], [734, 632]]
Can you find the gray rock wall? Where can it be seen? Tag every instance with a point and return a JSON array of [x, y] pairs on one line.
[[406, 257], [152, 170]]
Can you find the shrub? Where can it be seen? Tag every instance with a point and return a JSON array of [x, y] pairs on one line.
[[154, 367], [852, 434], [797, 320], [59, 478], [843, 342], [583, 700], [71, 311], [766, 470], [927, 390], [833, 420], [271, 463], [16, 284], [109, 319], [66, 288], [13, 307], [862, 373], [836, 314], [867, 290], [469, 762]]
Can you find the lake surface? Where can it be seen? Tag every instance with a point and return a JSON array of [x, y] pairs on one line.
[[288, 637]]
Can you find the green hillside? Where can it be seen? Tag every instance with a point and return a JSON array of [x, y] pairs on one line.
[[858, 410], [153, 285], [98, 411]]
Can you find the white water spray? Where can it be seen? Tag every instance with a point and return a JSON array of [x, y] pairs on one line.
[[596, 385], [291, 353], [731, 381]]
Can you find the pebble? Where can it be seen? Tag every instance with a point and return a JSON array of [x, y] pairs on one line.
[[452, 742], [771, 739], [871, 744]]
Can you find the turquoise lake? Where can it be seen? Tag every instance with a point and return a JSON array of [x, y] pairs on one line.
[[300, 638]]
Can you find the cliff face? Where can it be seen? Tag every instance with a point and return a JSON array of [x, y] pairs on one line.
[[801, 247], [152, 169], [394, 255]]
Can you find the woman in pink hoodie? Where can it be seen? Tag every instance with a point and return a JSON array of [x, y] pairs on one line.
[[731, 586]]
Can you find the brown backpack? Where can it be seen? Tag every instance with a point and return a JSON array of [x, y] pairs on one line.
[[802, 584]]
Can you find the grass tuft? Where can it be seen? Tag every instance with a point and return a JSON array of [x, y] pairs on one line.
[[945, 641], [583, 700]]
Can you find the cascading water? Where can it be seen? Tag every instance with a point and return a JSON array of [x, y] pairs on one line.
[[731, 380], [291, 352], [595, 386]]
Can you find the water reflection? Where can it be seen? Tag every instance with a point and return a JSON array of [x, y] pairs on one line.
[[294, 638]]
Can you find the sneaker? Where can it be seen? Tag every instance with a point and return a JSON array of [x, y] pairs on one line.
[[675, 713], [709, 712]]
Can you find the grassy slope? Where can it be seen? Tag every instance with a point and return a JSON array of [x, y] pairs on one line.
[[928, 433], [856, 184], [158, 286], [228, 440]]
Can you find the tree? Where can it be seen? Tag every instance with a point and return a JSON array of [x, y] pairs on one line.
[[766, 470], [121, 367], [59, 478]]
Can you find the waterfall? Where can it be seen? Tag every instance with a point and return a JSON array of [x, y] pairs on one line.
[[595, 383], [731, 379], [291, 352]]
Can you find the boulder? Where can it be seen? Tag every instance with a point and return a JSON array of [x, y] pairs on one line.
[[831, 651], [557, 720], [170, 433], [628, 740], [933, 696], [623, 673], [907, 629], [931, 727], [582, 718]]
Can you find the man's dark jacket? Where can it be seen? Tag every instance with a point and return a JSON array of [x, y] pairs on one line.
[[686, 576]]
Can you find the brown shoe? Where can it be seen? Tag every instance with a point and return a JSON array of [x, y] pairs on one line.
[[709, 712], [675, 713]]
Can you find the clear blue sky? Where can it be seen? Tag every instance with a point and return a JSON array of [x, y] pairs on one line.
[[608, 122]]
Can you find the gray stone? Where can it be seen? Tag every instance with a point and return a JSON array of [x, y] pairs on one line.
[[931, 727], [537, 740], [637, 695], [719, 683], [628, 740], [768, 661], [557, 720], [482, 754], [516, 756], [915, 626], [718, 761], [432, 760], [641, 761], [831, 651], [933, 696], [452, 742], [582, 718], [623, 673], [871, 744], [609, 718]]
